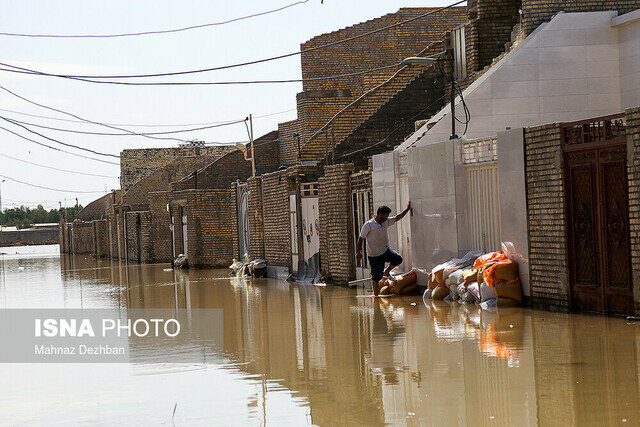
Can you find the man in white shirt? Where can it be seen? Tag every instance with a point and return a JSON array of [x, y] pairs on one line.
[[374, 232]]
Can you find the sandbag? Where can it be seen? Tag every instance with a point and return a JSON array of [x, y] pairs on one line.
[[427, 294], [468, 297], [504, 270], [422, 277], [439, 293], [436, 276], [474, 289], [454, 279], [487, 292], [469, 275], [511, 289], [408, 290], [408, 279], [462, 289], [492, 256], [384, 290]]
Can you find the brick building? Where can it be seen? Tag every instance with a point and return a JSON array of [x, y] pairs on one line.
[[138, 163], [583, 220]]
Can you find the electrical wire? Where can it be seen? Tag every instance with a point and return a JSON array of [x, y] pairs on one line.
[[87, 120], [142, 125], [57, 149], [58, 169], [382, 141], [257, 61], [77, 147], [50, 188], [124, 134], [358, 99], [29, 71], [146, 33]]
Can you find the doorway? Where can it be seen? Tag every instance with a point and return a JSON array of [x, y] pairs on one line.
[[596, 197]]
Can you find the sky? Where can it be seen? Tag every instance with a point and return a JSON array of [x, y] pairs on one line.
[[255, 38]]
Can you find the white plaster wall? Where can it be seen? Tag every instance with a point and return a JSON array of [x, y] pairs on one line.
[[432, 191], [383, 181], [629, 36], [513, 202], [568, 69]]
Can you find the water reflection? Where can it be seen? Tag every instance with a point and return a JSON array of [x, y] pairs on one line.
[[348, 358]]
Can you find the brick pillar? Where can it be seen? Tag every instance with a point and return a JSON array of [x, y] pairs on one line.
[[544, 176], [256, 226], [336, 245], [633, 173], [234, 220]]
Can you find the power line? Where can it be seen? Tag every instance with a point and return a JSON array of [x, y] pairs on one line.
[[382, 141], [125, 134], [49, 188], [146, 33], [22, 70], [349, 105], [57, 169], [57, 149], [257, 61], [142, 125], [59, 142], [87, 120], [145, 125]]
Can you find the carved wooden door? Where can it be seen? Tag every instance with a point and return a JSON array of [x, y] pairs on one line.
[[598, 230]]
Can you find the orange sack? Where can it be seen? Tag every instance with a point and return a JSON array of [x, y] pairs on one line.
[[504, 270], [492, 256]]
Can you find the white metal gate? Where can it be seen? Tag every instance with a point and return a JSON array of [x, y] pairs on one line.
[[243, 219], [185, 240], [483, 202], [293, 221], [361, 202], [310, 220]]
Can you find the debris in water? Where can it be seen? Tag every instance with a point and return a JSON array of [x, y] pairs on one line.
[[167, 269]]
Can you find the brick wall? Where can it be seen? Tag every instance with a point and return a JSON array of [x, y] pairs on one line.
[[288, 146], [159, 231], [633, 165], [256, 226], [137, 197], [276, 187], [544, 175], [97, 209], [394, 120], [322, 99], [100, 238], [82, 237], [535, 12], [138, 163], [234, 221], [336, 224], [233, 167], [495, 22], [210, 232]]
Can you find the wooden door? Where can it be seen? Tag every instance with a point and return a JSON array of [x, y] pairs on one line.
[[598, 230]]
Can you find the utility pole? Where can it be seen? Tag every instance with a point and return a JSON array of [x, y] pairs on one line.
[[1, 209], [76, 206], [61, 211], [253, 154], [453, 100]]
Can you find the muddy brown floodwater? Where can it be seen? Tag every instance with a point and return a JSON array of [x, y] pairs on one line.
[[302, 354]]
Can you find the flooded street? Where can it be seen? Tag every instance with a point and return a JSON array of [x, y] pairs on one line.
[[302, 354]]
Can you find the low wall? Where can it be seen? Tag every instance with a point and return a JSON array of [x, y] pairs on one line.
[[35, 236]]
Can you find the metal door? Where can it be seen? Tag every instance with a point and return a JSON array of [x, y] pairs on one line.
[[185, 240], [361, 203], [596, 192], [310, 220], [293, 221], [243, 219]]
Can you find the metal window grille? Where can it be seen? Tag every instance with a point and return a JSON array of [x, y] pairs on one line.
[[480, 151]]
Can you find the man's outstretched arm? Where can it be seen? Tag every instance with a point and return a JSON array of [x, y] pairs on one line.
[[404, 212]]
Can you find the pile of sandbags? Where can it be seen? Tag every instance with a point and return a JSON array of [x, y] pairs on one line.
[[404, 284], [181, 261], [490, 278], [445, 279], [255, 268]]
